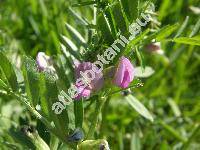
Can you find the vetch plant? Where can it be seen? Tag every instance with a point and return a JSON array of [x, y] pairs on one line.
[[63, 113]]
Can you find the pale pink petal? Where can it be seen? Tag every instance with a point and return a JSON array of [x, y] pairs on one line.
[[124, 74], [119, 75]]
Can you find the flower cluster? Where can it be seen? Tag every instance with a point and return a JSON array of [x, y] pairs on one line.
[[89, 78], [124, 74]]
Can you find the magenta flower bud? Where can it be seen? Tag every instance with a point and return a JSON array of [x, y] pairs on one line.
[[124, 74], [91, 81]]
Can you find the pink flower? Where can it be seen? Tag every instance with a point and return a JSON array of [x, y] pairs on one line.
[[124, 74], [83, 92], [44, 62], [95, 84]]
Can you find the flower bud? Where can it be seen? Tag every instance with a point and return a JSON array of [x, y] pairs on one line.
[[124, 74]]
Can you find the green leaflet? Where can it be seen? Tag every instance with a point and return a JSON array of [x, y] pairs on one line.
[[143, 72], [130, 8], [189, 41], [110, 18], [9, 72], [78, 18], [105, 28], [75, 35], [69, 48], [31, 79], [166, 31], [139, 107], [119, 18]]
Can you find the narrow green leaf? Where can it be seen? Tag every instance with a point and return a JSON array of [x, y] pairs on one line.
[[139, 107], [195, 29], [189, 41], [104, 27], [69, 48], [130, 8], [119, 19], [184, 25], [125, 7], [135, 142], [110, 18], [43, 100], [64, 71], [166, 31], [75, 35], [9, 72], [34, 25], [140, 57], [78, 18]]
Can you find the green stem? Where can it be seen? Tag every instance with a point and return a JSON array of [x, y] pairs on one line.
[[54, 142], [38, 141], [99, 105], [38, 116]]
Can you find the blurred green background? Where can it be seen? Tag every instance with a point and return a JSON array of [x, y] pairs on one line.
[[172, 94]]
